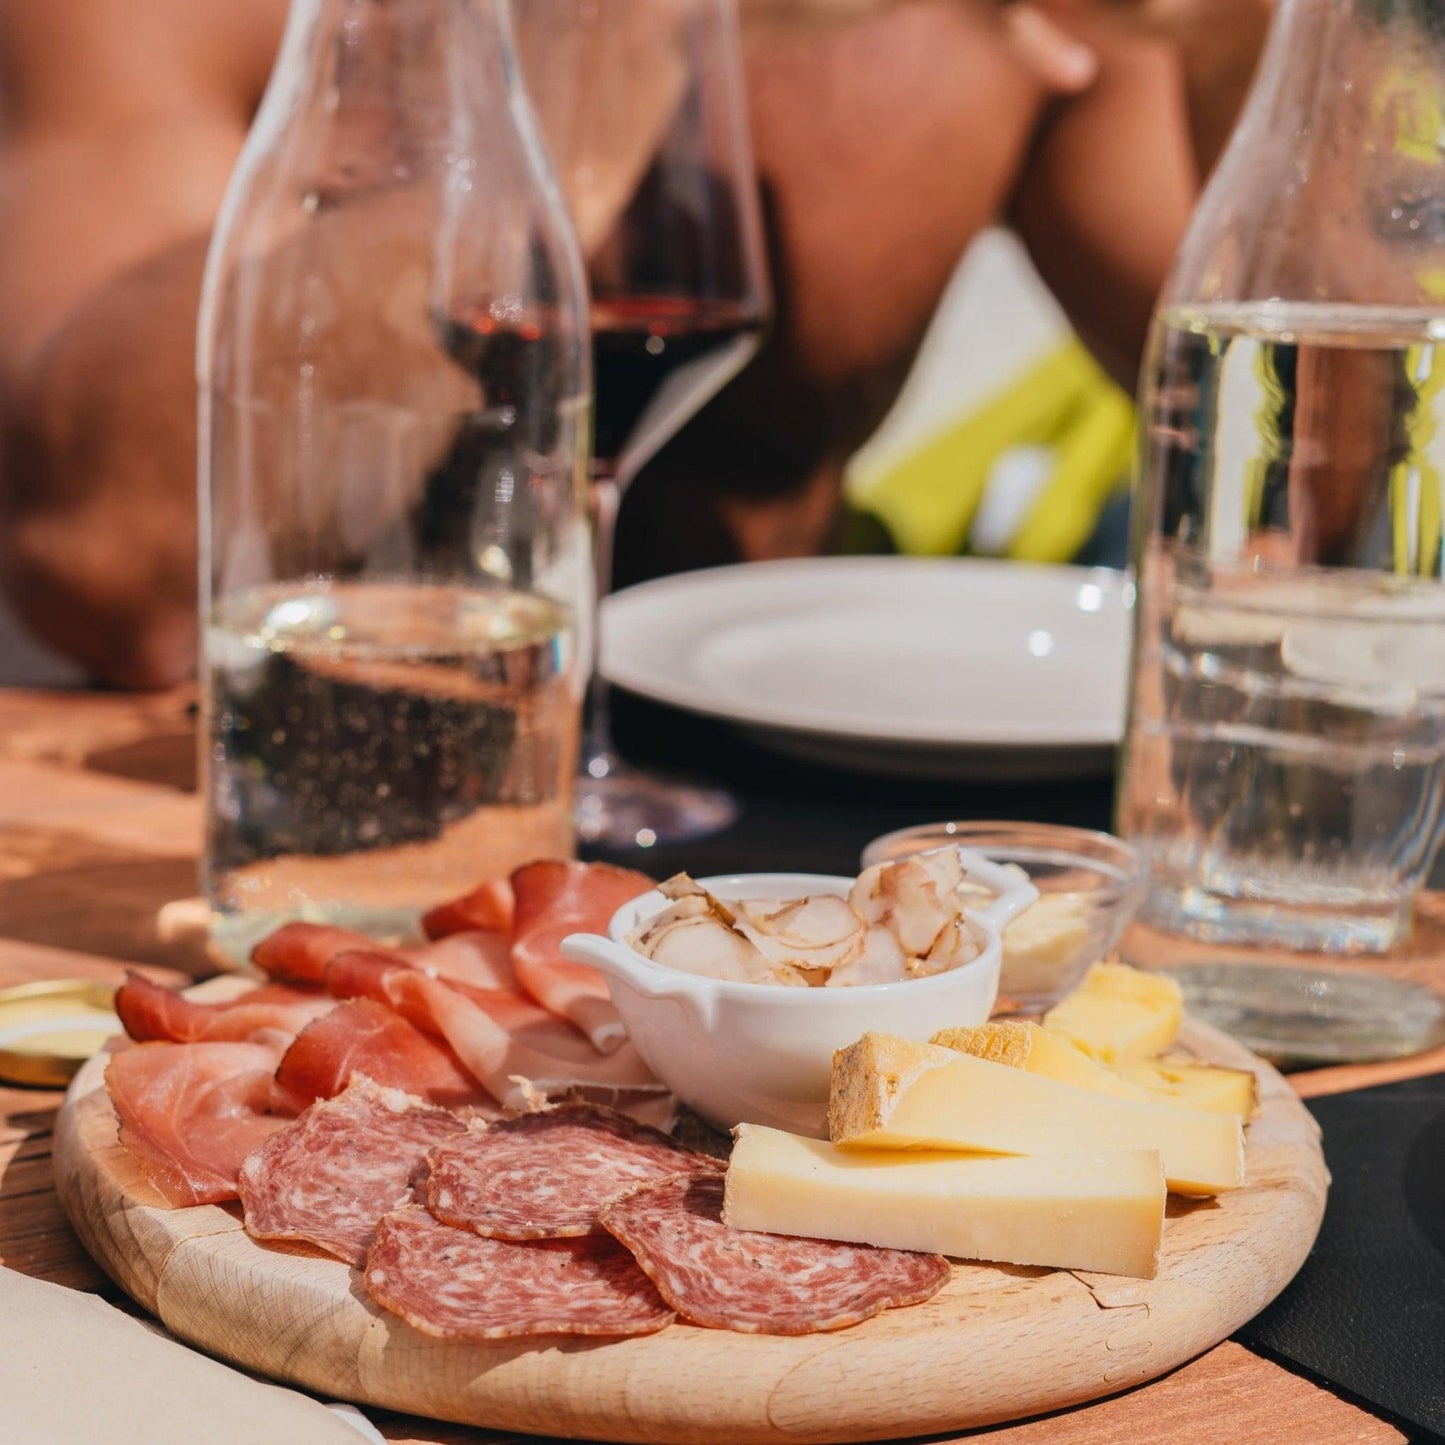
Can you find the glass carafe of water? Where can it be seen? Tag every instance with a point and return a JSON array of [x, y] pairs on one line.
[[1284, 764], [394, 376]]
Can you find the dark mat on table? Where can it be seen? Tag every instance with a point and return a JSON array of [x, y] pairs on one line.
[[1367, 1312]]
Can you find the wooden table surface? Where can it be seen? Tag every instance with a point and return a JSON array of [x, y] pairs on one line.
[[99, 829]]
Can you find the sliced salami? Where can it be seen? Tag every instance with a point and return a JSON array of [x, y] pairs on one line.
[[328, 1177], [769, 1284], [458, 1286], [545, 1176]]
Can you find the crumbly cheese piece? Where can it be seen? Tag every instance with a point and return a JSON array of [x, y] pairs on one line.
[[1101, 1212], [891, 1093], [1027, 1046], [1119, 1013], [1195, 1085]]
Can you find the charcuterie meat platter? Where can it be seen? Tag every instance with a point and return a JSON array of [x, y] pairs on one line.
[[996, 1343]]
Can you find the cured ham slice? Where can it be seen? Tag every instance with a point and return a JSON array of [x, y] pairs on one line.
[[150, 1011], [299, 952], [554, 899], [458, 1286], [190, 1113], [545, 1176], [364, 1037], [483, 960], [488, 907], [329, 1176], [772, 1284], [515, 1049]]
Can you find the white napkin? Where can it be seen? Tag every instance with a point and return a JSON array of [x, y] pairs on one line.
[[77, 1371]]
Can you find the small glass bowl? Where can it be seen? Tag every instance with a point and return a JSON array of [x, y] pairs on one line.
[[1090, 885]]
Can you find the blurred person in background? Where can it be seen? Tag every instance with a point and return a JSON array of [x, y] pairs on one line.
[[889, 133]]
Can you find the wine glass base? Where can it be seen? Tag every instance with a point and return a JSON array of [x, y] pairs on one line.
[[1297, 1016], [629, 808]]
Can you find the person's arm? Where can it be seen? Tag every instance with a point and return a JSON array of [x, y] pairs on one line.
[[121, 122], [1115, 170], [1106, 194], [1217, 44]]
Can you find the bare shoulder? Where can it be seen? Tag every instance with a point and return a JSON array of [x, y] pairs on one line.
[[885, 144], [68, 62]]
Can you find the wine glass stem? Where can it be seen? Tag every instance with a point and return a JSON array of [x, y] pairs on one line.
[[598, 758]]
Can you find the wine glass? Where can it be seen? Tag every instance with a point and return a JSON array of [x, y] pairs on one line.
[[643, 108]]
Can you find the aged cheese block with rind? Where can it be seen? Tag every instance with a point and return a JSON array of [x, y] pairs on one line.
[[1098, 1212], [1026, 1046], [1184, 1082], [891, 1093]]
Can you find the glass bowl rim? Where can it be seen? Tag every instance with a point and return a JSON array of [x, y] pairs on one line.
[[985, 835]]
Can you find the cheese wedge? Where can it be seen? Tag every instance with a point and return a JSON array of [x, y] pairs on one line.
[[892, 1093], [1185, 1082], [1195, 1085], [1119, 1013], [1101, 1212], [1027, 1046]]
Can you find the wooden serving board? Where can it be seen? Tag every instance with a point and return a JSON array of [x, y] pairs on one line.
[[998, 1343]]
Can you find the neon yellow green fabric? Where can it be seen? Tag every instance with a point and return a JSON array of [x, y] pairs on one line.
[[928, 500], [1415, 486]]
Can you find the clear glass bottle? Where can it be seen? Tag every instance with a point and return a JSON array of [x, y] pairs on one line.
[[394, 376], [1284, 764]]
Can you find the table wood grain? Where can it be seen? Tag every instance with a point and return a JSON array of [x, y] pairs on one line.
[[99, 827]]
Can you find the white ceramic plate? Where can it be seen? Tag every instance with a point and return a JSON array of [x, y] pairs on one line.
[[960, 668]]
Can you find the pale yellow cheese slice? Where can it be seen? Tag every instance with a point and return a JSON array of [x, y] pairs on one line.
[[1185, 1082], [1195, 1085], [1119, 1013], [892, 1093], [1026, 1046], [1101, 1212]]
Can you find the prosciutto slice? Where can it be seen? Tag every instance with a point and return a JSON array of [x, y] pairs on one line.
[[190, 1113], [515, 1049], [483, 960], [553, 899], [150, 1012], [365, 1037], [299, 952], [330, 1175], [488, 907]]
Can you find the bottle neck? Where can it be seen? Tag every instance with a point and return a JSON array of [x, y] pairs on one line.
[[1332, 188], [379, 74]]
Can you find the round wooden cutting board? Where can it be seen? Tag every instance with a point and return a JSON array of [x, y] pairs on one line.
[[998, 1343]]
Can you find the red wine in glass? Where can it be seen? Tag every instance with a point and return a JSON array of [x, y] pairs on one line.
[[656, 361]]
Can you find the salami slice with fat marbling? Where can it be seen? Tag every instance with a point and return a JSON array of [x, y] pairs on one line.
[[328, 1177], [772, 1284], [545, 1175], [456, 1285]]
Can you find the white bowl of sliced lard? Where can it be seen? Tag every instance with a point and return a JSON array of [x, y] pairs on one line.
[[738, 990]]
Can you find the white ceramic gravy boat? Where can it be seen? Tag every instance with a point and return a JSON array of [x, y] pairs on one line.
[[763, 1053]]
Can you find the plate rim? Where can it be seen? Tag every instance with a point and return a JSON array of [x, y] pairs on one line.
[[660, 687]]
